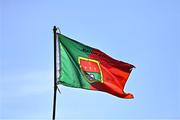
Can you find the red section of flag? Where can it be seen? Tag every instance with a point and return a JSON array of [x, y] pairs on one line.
[[115, 74], [89, 66]]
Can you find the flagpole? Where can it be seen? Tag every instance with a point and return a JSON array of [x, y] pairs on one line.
[[55, 76]]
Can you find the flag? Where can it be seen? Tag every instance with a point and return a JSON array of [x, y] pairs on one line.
[[82, 66]]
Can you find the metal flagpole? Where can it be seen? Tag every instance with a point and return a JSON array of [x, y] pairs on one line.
[[55, 75]]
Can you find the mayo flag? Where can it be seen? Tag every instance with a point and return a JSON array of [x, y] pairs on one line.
[[82, 66]]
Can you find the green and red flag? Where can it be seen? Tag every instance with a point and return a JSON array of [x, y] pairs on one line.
[[82, 66]]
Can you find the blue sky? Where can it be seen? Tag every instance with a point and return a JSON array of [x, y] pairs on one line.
[[145, 33]]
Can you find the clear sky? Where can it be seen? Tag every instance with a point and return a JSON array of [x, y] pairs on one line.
[[145, 33]]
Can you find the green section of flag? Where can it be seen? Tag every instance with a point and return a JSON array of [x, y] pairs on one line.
[[74, 48], [70, 72]]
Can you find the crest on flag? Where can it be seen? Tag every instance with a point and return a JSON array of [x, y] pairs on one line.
[[91, 69]]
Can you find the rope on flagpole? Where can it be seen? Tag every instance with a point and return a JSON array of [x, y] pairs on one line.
[[59, 31]]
